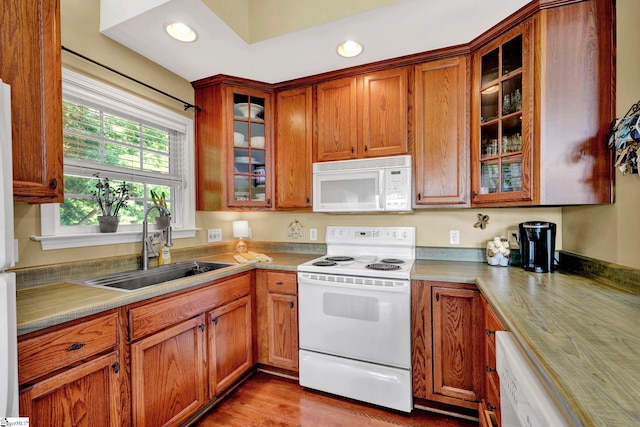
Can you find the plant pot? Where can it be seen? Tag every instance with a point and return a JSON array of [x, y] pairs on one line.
[[108, 224], [163, 222]]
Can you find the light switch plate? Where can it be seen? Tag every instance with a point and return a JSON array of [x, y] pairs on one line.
[[313, 234]]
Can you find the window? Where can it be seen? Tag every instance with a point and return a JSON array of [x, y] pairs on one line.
[[111, 134]]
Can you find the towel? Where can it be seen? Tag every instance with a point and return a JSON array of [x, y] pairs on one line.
[[251, 257]]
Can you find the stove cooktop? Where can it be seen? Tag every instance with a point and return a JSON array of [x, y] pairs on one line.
[[365, 266], [384, 252]]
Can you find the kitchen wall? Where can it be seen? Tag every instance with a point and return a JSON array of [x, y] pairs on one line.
[[612, 233], [80, 23]]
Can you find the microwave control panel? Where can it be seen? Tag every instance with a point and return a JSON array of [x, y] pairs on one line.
[[397, 189]]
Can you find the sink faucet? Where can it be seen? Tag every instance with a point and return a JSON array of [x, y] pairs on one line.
[[146, 242]]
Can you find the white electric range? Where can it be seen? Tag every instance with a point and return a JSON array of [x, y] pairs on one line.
[[355, 316]]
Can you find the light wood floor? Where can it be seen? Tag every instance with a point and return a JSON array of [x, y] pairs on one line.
[[267, 400]]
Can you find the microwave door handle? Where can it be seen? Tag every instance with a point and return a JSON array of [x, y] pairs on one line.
[[381, 190]]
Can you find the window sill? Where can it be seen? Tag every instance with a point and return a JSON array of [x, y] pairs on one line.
[[66, 241]]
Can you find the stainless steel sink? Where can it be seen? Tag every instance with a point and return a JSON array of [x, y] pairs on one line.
[[133, 280]]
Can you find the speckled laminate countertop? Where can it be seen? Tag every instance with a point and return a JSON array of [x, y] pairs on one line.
[[578, 333]]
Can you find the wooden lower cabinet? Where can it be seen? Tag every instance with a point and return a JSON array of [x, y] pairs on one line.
[[277, 315], [86, 395], [491, 400], [188, 348], [71, 376], [229, 344], [447, 346], [168, 374]]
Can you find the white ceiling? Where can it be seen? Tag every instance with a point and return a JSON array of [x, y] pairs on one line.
[[403, 28]]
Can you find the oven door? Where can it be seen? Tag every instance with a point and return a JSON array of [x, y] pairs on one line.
[[357, 321]]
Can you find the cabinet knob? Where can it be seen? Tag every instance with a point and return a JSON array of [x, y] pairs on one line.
[[116, 367], [489, 332], [491, 407], [352, 150], [53, 184], [202, 326], [291, 304], [366, 148], [215, 320], [474, 194], [308, 200], [419, 196], [280, 283], [75, 346], [437, 296], [490, 369]]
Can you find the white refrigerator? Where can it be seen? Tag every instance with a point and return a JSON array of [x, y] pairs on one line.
[[8, 329]]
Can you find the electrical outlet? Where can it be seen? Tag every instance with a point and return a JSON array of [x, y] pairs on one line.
[[214, 235], [454, 237], [313, 234], [513, 236]]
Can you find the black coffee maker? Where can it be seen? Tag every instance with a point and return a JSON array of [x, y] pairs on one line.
[[537, 245]]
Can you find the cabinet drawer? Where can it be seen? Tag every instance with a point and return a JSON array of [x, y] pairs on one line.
[[493, 394], [281, 283], [150, 318], [47, 353], [492, 324]]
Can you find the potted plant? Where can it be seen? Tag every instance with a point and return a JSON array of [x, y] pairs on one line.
[[110, 198], [162, 220]]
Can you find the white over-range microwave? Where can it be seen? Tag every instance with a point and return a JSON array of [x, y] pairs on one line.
[[381, 184]]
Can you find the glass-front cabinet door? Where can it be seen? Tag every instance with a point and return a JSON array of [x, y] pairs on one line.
[[250, 157], [502, 120]]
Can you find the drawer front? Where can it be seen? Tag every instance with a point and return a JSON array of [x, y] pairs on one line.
[[46, 353], [281, 283], [150, 318], [492, 324]]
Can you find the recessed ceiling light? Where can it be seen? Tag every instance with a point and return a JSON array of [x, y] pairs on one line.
[[349, 49], [181, 32]]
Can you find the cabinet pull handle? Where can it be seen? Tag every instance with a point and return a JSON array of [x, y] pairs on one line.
[[419, 196], [75, 346], [474, 194], [491, 407], [437, 296], [269, 202], [308, 200], [214, 320], [489, 332], [352, 149], [202, 325], [291, 304], [54, 183], [279, 283], [366, 148], [490, 369], [116, 367]]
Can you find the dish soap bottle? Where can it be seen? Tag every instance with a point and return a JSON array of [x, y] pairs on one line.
[[165, 256]]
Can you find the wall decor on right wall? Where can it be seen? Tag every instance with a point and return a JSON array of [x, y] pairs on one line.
[[624, 136]]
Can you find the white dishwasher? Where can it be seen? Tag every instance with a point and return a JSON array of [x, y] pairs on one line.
[[523, 399]]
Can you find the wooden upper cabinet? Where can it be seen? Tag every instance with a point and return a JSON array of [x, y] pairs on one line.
[[441, 132], [294, 145], [542, 104], [337, 120], [234, 163], [384, 113], [31, 64], [363, 116]]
